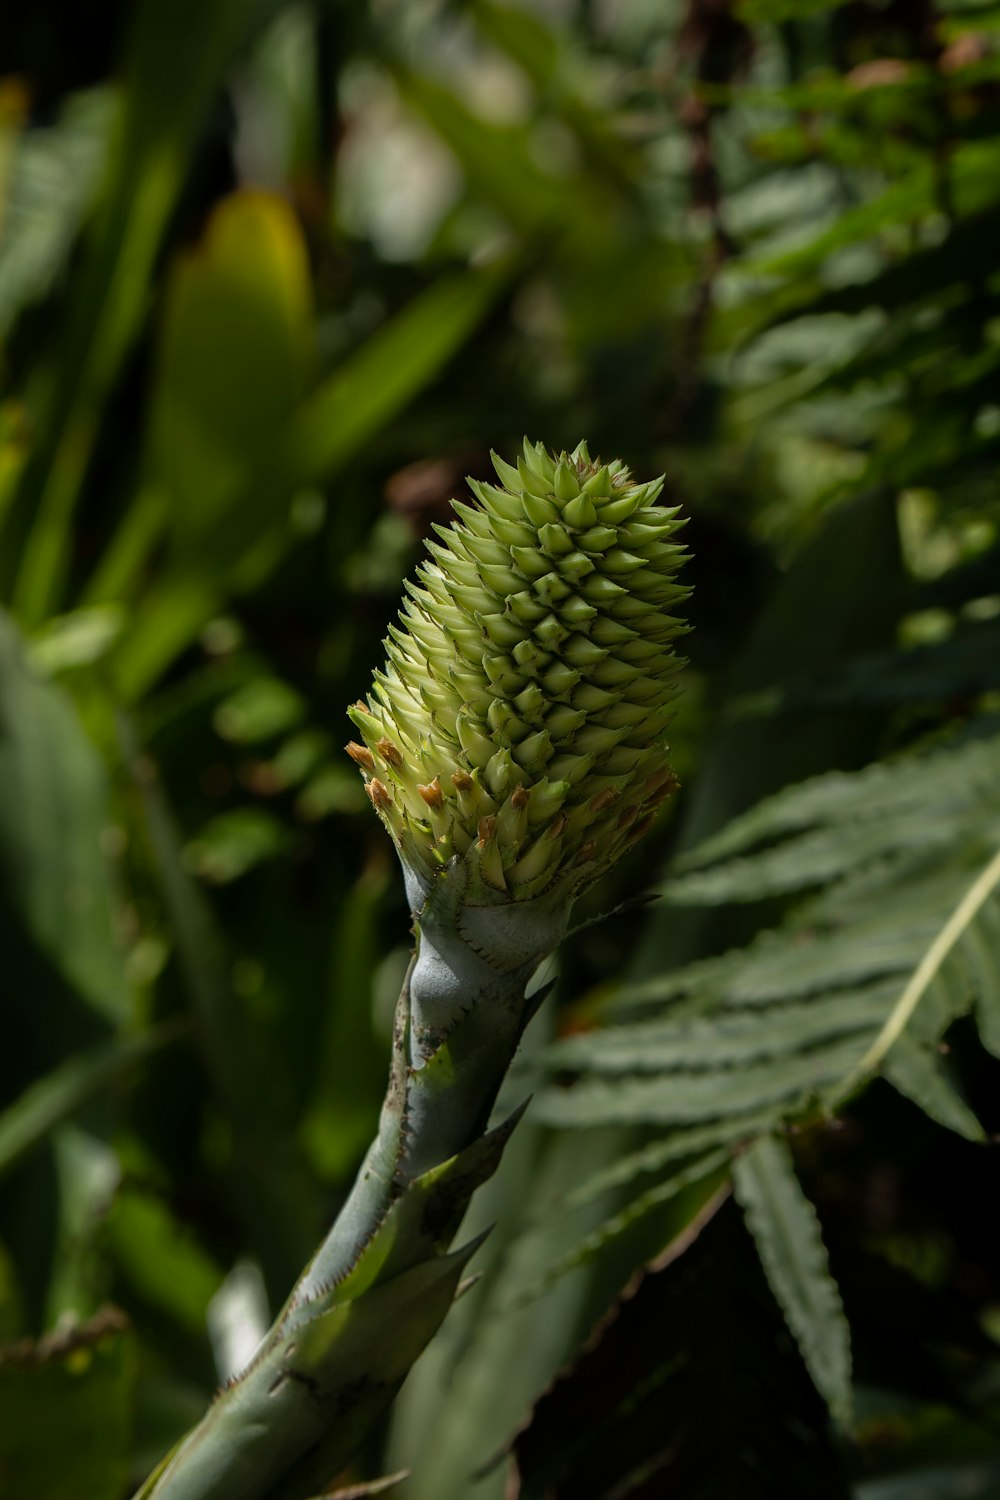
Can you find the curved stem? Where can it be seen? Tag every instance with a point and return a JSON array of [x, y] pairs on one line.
[[382, 1281]]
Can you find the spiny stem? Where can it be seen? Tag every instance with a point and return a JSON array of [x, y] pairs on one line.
[[382, 1281]]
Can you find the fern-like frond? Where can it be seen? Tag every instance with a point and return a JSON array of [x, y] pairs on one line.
[[893, 935], [784, 1225], [899, 936], [907, 799]]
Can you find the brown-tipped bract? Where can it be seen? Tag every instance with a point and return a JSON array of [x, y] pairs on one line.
[[519, 722]]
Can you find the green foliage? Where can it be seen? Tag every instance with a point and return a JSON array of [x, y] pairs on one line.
[[703, 1420], [895, 946], [56, 894], [273, 278], [76, 1385], [50, 188], [866, 975]]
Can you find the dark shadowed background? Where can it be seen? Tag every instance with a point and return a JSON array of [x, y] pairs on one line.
[[274, 277]]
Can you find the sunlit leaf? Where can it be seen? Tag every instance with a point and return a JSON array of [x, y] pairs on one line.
[[155, 129], [50, 186], [323, 433], [234, 360]]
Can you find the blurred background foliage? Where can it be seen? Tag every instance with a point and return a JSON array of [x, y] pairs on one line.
[[273, 277]]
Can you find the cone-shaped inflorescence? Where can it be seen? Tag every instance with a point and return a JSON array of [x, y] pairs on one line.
[[514, 746], [519, 723]]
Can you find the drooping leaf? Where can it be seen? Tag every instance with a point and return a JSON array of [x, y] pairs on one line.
[[699, 1179], [939, 989], [919, 1073], [692, 1387], [788, 1237]]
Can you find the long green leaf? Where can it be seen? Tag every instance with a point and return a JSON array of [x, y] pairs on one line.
[[706, 1175], [714, 1042], [960, 776], [269, 1172], [54, 810], [787, 1084], [652, 1157], [690, 1387], [787, 1232], [26, 1122], [157, 125], [325, 432], [918, 1073]]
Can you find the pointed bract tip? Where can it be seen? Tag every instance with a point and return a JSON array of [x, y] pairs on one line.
[[519, 721]]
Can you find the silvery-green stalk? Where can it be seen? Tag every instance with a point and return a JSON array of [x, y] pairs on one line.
[[514, 748]]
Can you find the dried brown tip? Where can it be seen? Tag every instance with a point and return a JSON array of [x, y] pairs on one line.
[[558, 824], [389, 752], [361, 754], [379, 793], [586, 853], [431, 793], [604, 799], [487, 828], [363, 707], [519, 797], [627, 816], [659, 779], [638, 829], [462, 781]]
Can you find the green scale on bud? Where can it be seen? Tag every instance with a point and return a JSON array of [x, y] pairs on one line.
[[519, 723]]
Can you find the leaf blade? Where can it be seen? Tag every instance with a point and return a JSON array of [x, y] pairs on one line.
[[787, 1233]]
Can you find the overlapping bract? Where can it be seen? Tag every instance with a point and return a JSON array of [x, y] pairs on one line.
[[520, 719]]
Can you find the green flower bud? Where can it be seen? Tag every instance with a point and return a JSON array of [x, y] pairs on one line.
[[519, 722]]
